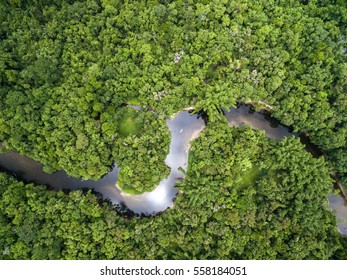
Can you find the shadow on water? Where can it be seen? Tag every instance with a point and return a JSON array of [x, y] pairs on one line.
[[184, 128]]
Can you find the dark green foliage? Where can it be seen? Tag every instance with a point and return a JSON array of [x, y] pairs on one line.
[[67, 68], [140, 150], [65, 62], [37, 224], [341, 254], [281, 212], [283, 198]]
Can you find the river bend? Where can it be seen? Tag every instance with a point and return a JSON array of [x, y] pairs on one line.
[[184, 128]]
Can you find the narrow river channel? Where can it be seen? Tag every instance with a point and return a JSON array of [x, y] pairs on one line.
[[184, 128]]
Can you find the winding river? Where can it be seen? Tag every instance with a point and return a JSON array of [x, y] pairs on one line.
[[184, 128]]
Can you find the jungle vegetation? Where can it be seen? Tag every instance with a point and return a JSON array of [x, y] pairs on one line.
[[68, 67], [225, 211]]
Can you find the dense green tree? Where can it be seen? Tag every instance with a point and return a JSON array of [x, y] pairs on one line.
[[244, 197], [68, 67], [67, 61]]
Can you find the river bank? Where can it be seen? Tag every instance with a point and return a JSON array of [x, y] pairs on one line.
[[184, 128]]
